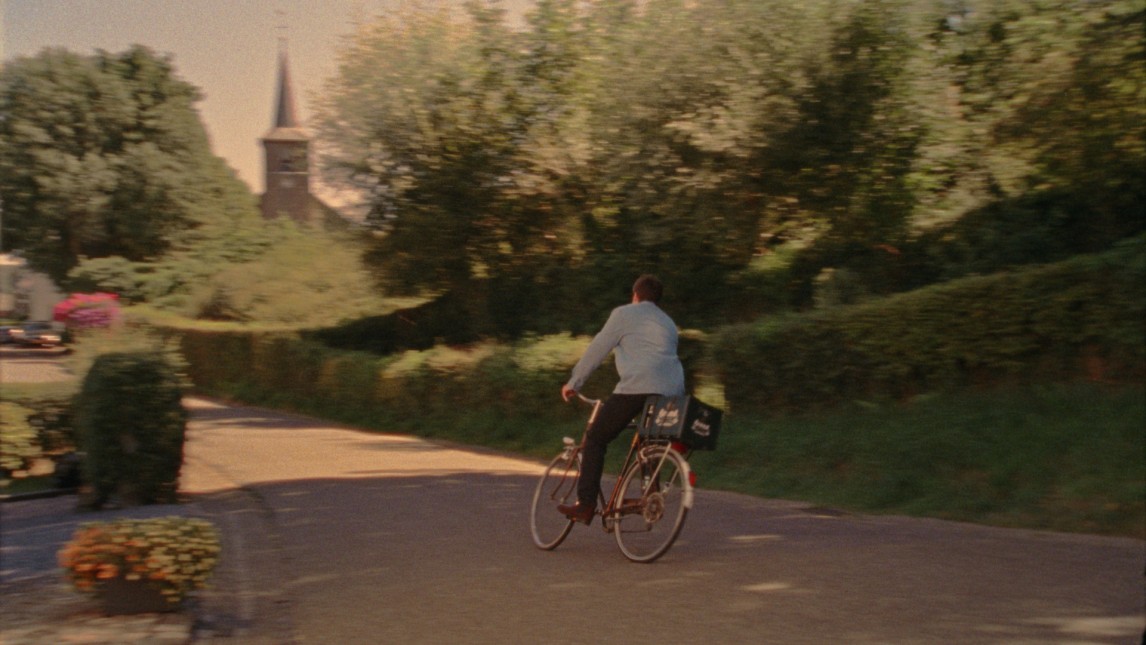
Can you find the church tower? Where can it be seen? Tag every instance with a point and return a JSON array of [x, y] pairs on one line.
[[286, 152]]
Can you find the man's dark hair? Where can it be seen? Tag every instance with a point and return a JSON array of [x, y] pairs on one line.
[[647, 287]]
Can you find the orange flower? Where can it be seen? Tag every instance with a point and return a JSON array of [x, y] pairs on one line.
[[177, 554]]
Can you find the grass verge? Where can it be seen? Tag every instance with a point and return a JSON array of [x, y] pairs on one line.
[[1064, 458]]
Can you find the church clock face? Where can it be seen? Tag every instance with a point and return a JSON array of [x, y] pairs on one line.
[[286, 182]]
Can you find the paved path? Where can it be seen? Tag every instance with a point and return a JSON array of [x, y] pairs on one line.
[[339, 536], [21, 365]]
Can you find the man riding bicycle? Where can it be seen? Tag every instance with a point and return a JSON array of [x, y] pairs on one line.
[[644, 340]]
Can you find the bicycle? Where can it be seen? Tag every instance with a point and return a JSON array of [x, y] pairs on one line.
[[647, 506]]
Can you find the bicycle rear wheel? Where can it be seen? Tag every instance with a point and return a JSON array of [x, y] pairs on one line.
[[557, 486], [654, 500]]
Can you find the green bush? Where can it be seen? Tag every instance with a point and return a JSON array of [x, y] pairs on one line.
[[1081, 318], [53, 419], [131, 422], [18, 445], [35, 423]]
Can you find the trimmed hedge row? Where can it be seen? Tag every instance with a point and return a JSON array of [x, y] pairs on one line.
[[394, 392], [287, 370], [1082, 317]]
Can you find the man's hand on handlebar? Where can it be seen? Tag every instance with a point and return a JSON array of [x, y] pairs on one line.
[[569, 394]]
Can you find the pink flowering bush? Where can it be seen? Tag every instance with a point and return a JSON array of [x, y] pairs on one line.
[[88, 310]]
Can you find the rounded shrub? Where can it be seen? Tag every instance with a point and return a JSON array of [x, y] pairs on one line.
[[131, 423]]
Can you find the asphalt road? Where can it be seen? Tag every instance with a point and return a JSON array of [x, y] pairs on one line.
[[348, 537]]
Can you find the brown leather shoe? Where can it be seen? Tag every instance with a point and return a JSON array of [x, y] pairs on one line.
[[577, 512]]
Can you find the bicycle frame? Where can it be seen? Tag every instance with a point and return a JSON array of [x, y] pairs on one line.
[[613, 506], [644, 511]]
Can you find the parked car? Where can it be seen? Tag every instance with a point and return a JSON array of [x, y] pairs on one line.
[[8, 334], [38, 334]]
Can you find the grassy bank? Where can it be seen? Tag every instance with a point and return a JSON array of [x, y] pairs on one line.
[[1064, 457]]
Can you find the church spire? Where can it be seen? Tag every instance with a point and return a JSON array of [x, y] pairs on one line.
[[286, 152], [284, 107], [285, 125]]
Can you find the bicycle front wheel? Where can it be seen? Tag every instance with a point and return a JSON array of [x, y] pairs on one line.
[[655, 497], [557, 486]]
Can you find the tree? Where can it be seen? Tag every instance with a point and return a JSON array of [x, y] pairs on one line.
[[304, 277], [103, 156], [427, 119], [1036, 138], [687, 101], [541, 167], [615, 137], [400, 125], [1081, 111]]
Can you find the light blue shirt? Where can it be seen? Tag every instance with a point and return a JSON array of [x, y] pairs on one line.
[[644, 339]]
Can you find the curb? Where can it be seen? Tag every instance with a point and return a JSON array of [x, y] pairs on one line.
[[39, 607], [40, 494]]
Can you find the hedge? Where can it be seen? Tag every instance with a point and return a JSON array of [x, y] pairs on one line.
[[1082, 317], [1051, 323], [396, 391]]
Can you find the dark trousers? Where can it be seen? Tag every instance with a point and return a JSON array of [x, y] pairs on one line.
[[616, 413]]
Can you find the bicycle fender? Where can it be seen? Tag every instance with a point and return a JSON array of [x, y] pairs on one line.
[[686, 499]]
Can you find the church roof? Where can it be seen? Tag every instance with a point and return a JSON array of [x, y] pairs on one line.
[[286, 126]]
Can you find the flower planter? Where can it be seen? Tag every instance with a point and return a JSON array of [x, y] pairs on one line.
[[141, 566], [120, 596]]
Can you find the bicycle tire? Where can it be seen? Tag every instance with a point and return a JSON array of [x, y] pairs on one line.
[[651, 514], [558, 485]]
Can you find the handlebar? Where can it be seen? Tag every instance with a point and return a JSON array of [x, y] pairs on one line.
[[596, 403], [586, 399]]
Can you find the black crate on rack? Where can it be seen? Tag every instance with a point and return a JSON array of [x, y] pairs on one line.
[[683, 418]]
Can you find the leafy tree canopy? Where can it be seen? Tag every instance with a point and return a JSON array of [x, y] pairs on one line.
[[105, 155]]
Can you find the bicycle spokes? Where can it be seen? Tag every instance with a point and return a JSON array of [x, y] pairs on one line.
[[655, 498], [557, 486]]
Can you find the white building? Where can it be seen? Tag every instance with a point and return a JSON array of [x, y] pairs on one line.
[[25, 294]]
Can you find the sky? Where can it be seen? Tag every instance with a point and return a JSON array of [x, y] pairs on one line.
[[227, 48]]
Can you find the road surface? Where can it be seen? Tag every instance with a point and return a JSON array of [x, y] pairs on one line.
[[352, 537]]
